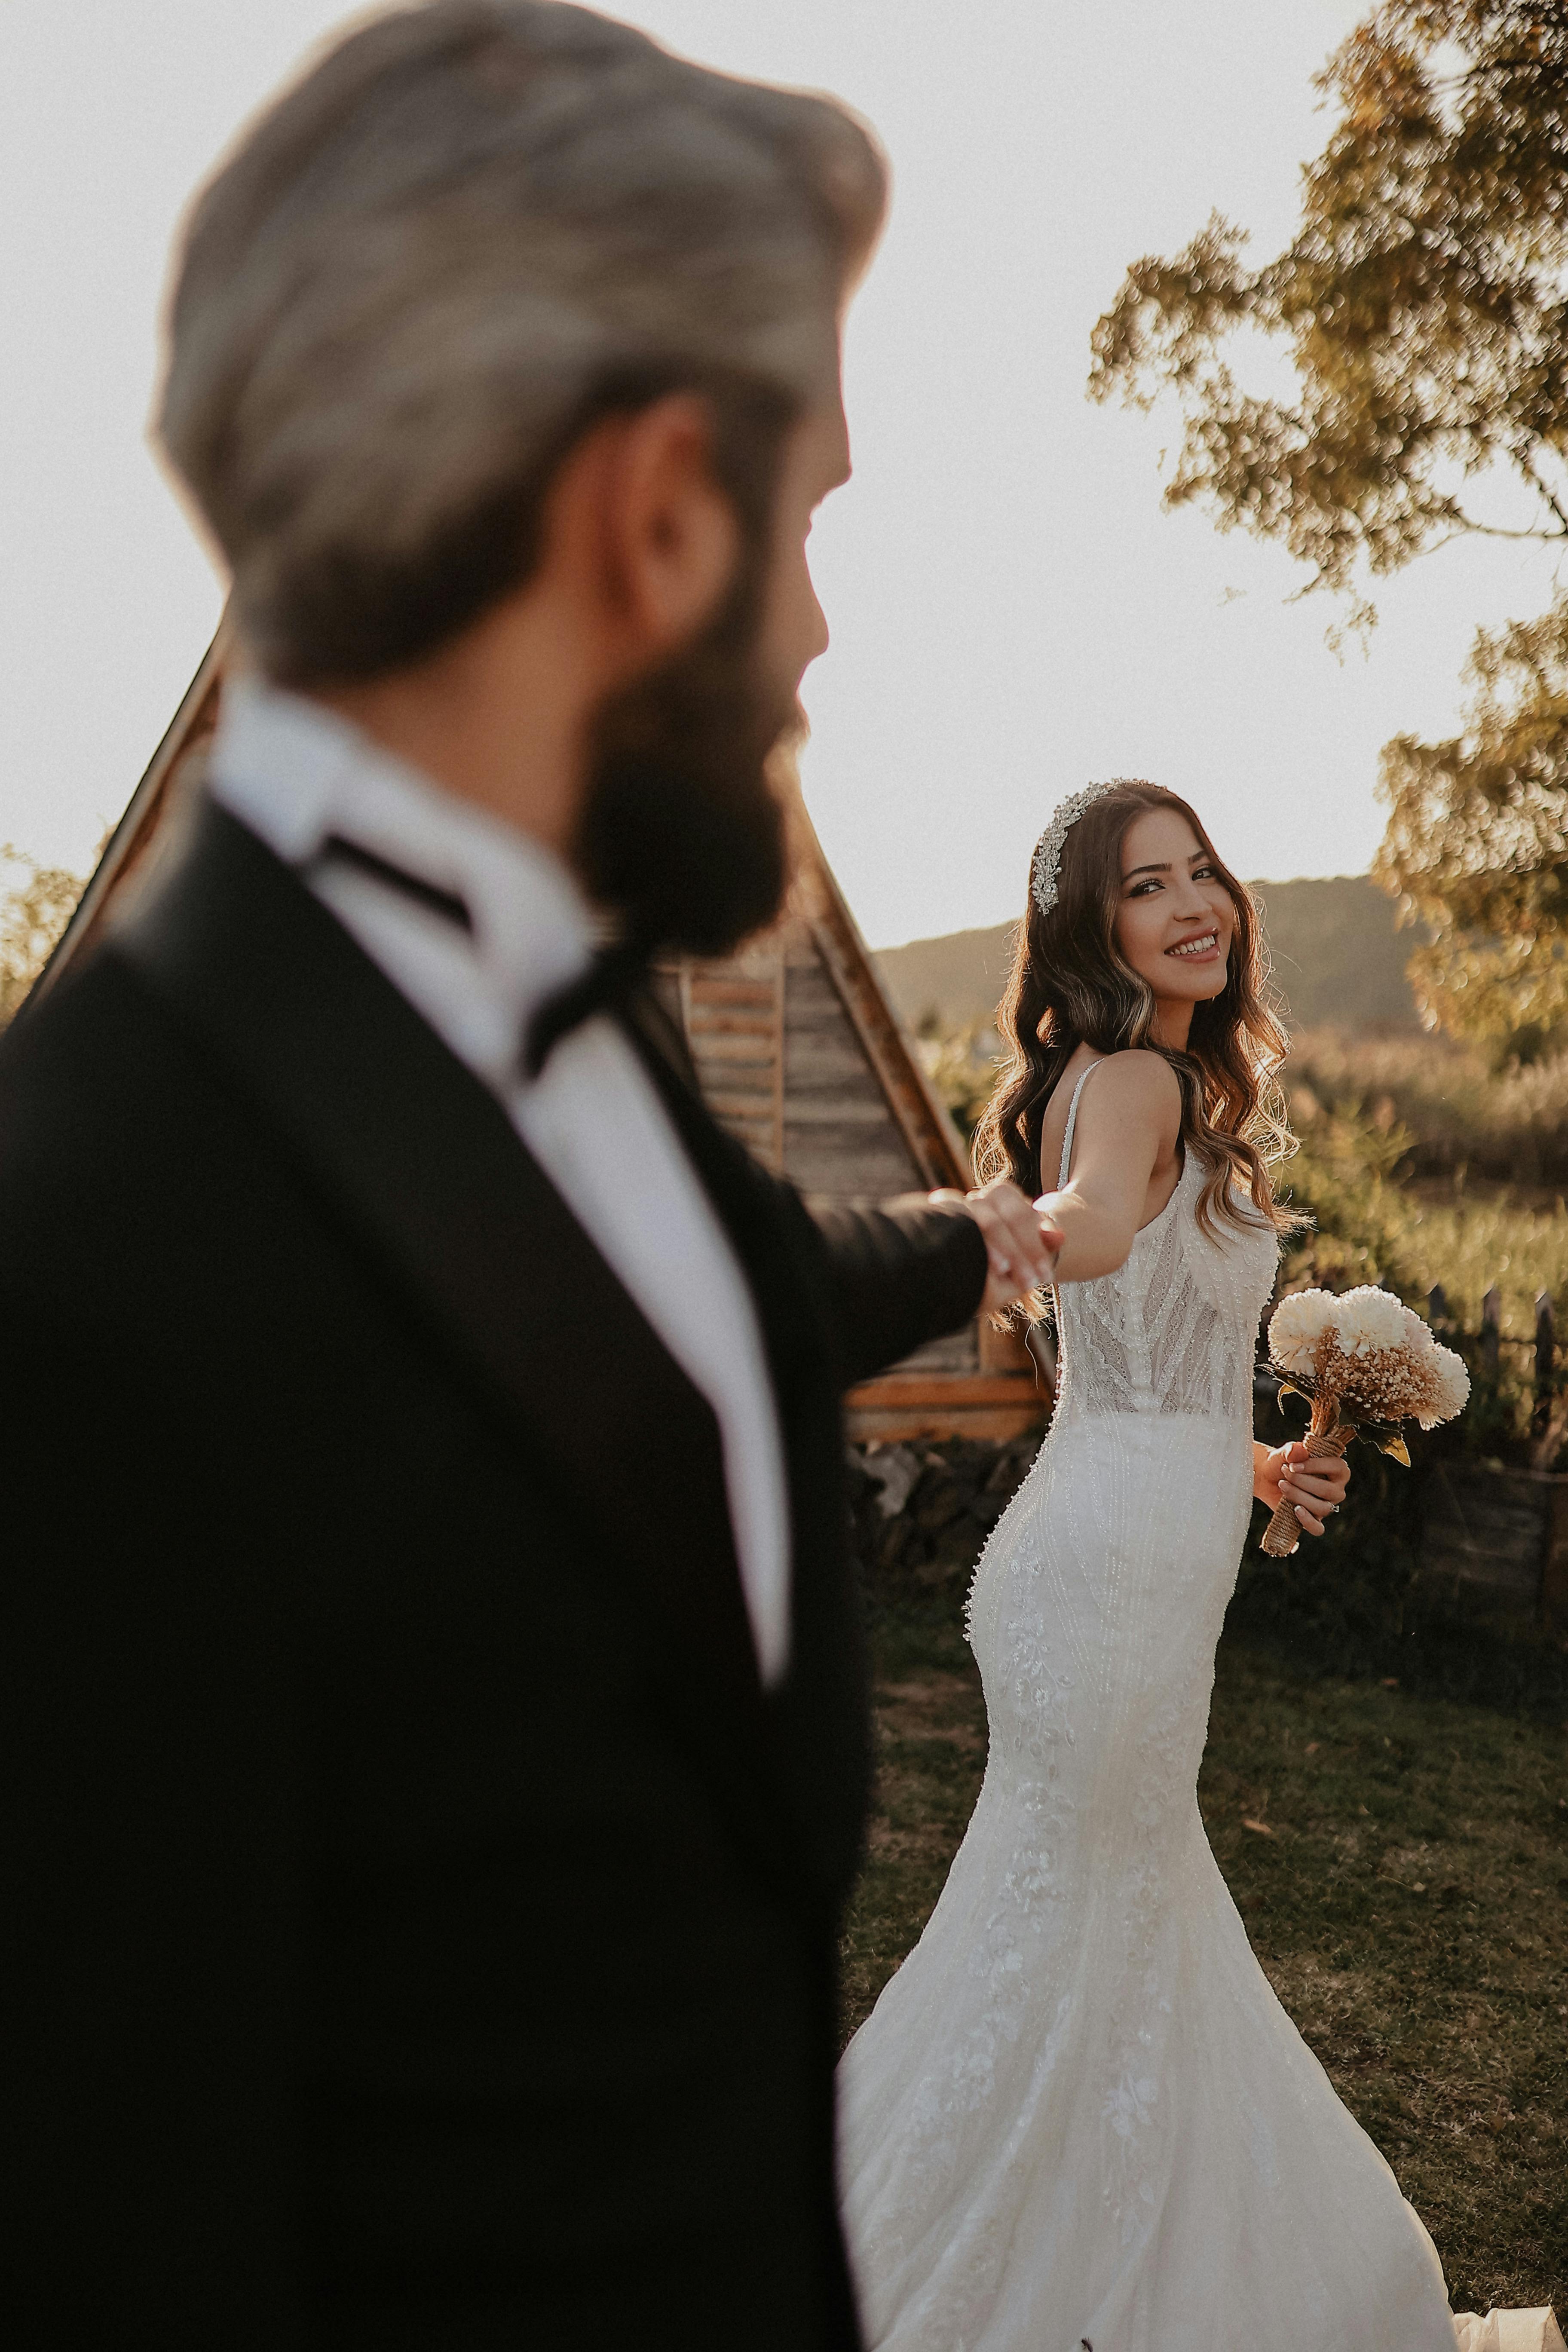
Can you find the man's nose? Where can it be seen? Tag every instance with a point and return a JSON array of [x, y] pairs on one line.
[[821, 635]]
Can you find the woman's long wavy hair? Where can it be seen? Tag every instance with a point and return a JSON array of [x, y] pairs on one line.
[[1070, 985]]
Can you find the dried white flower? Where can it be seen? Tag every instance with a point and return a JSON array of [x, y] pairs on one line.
[[1296, 1327], [1048, 860], [1417, 1333], [1369, 1319], [1449, 1385], [1368, 1354]]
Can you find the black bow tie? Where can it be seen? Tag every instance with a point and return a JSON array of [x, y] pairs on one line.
[[612, 977], [336, 851]]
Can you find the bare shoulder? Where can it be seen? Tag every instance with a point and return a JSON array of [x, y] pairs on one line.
[[1134, 1095], [1138, 1080], [1131, 1096]]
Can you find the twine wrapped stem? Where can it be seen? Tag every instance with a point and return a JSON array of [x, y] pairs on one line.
[[1326, 1434]]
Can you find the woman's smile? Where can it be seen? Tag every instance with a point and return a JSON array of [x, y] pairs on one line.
[[1201, 948], [1175, 909]]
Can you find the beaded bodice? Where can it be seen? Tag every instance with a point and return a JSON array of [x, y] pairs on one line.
[[1174, 1329]]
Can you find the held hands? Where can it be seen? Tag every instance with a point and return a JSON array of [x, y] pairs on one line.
[[1021, 1246], [1313, 1489]]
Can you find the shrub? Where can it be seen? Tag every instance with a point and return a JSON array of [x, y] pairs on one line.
[[33, 914], [1453, 1111]]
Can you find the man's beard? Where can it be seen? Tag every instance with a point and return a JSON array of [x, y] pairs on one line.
[[681, 836]]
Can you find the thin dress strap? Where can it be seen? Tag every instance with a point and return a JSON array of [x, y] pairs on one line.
[[1072, 1121]]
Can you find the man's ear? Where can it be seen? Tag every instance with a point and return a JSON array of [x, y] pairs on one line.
[[669, 538]]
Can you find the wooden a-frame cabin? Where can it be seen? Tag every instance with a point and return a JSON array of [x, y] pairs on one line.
[[799, 1053]]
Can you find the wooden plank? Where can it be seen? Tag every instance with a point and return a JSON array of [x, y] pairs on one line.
[[904, 1405], [754, 1110], [714, 1000], [992, 1425], [841, 1137], [837, 1163], [927, 1129], [733, 1016], [189, 730], [947, 1387], [734, 1040], [735, 1058], [837, 1114]]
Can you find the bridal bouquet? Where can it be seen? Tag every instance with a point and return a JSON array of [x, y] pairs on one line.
[[1364, 1363]]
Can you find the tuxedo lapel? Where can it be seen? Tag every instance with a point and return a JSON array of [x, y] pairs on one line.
[[818, 1718], [422, 1161]]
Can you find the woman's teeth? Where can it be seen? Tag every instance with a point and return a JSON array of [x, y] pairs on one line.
[[1204, 946]]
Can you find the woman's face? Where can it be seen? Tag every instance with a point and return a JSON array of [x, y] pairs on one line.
[[1174, 922]]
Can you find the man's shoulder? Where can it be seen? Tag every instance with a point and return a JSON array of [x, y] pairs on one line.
[[97, 1037], [103, 1100]]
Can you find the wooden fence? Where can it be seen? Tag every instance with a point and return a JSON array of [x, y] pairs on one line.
[[1494, 1537], [1491, 1340]]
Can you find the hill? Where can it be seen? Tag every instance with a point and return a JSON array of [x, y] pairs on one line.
[[1339, 961]]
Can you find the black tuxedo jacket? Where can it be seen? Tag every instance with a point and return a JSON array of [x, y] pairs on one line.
[[417, 1924]]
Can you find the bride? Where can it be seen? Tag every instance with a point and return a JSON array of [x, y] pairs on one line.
[[1077, 2116]]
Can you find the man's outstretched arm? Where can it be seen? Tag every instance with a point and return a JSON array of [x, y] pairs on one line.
[[912, 1269]]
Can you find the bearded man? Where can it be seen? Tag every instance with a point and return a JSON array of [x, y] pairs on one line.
[[434, 1742]]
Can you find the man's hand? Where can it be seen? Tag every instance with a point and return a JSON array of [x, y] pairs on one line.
[[1314, 1489], [1021, 1246]]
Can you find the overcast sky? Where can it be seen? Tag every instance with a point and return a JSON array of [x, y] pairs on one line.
[[1011, 611]]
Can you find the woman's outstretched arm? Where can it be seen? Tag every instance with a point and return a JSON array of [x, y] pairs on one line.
[[1128, 1127]]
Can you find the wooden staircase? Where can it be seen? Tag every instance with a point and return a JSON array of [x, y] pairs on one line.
[[733, 1016]]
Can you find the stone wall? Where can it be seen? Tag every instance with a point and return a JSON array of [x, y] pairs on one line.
[[922, 1511], [1493, 1541]]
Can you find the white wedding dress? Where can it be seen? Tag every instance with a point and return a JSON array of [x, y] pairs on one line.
[[1078, 2115]]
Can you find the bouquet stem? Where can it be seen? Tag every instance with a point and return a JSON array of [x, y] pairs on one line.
[[1326, 1434]]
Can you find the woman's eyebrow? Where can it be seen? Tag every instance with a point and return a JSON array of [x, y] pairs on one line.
[[1197, 856]]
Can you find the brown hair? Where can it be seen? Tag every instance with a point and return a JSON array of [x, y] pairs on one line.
[[1070, 985]]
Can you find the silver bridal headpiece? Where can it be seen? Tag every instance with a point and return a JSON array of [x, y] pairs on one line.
[[1048, 860]]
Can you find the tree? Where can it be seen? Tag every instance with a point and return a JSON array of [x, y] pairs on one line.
[[1424, 304], [1476, 843], [33, 914]]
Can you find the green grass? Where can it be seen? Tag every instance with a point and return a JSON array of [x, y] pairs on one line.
[[930, 1757], [1407, 1896]]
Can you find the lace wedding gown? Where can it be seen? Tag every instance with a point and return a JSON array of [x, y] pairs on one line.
[[1078, 2115]]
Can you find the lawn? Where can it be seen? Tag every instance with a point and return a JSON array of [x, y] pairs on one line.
[[1406, 1891]]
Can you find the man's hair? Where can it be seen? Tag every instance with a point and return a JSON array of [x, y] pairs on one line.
[[471, 229]]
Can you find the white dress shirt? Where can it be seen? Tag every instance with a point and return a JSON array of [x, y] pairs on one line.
[[296, 774]]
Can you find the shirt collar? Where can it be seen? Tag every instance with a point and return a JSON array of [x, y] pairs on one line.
[[296, 774]]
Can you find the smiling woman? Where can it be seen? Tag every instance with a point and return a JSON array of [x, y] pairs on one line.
[[1174, 905], [1085, 1983], [1115, 955]]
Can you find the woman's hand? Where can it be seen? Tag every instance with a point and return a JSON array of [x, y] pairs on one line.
[[1313, 1489]]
